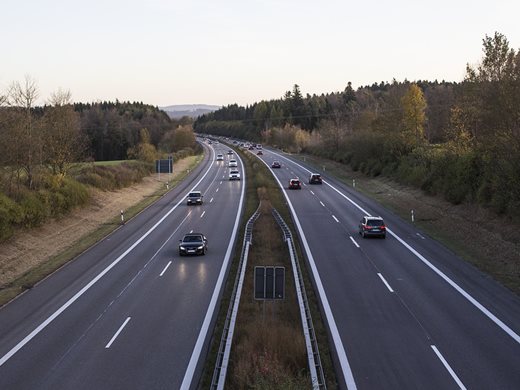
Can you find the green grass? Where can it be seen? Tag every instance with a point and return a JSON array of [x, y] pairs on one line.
[[36, 274]]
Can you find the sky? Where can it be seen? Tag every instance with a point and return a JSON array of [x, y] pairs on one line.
[[165, 52]]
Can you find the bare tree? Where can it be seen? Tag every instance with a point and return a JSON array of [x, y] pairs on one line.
[[22, 98], [61, 133]]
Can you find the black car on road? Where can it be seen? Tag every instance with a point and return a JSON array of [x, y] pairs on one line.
[[193, 244], [315, 178]]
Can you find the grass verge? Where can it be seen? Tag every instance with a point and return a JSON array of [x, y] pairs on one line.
[[39, 272], [261, 186]]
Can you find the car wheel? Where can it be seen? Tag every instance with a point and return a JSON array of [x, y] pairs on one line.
[[180, 253]]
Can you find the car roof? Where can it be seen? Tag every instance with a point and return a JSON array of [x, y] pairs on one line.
[[376, 218]]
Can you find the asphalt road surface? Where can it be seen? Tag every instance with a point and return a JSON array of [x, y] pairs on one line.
[[129, 313], [403, 312]]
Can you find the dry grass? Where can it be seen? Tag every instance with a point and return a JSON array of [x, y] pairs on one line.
[[268, 348]]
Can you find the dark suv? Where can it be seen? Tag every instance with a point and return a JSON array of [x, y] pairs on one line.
[[372, 226], [193, 244], [194, 197], [315, 178], [294, 184]]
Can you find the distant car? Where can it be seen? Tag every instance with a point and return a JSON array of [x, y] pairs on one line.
[[194, 197], [260, 153], [220, 157], [251, 147], [193, 244], [230, 152], [294, 184], [234, 174], [315, 178], [233, 163], [258, 146], [276, 164], [372, 226]]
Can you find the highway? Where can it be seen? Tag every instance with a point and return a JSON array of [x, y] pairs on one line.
[[129, 313], [403, 312]]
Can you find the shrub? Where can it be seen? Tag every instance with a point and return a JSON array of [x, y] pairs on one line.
[[33, 208], [10, 215]]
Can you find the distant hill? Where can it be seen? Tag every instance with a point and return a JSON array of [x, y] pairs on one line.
[[191, 110]]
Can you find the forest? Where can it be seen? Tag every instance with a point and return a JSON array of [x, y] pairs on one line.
[[459, 140]]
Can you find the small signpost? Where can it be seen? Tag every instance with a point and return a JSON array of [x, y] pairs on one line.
[[269, 282]]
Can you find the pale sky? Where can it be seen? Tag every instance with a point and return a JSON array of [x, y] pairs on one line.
[[222, 52]]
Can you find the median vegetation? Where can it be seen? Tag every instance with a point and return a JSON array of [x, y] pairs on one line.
[[268, 348]]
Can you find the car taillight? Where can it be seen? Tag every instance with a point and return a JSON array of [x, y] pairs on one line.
[[383, 227]]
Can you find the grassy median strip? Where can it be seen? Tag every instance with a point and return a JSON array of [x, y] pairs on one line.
[[268, 346], [39, 272]]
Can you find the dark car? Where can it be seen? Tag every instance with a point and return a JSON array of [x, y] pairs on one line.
[[194, 197], [276, 164], [315, 178], [193, 244], [372, 226], [260, 153], [294, 184]]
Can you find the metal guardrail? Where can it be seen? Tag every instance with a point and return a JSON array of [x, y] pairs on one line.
[[220, 371], [313, 354]]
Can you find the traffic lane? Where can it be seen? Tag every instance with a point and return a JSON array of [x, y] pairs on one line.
[[385, 346], [366, 314], [495, 297], [59, 356], [476, 348], [434, 314], [24, 314]]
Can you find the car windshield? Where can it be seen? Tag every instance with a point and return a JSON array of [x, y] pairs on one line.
[[192, 239], [375, 222], [194, 195]]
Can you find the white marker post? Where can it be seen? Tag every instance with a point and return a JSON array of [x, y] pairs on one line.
[[413, 218], [122, 218], [354, 183]]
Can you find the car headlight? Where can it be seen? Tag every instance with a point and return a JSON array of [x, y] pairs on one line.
[[182, 248], [200, 247]]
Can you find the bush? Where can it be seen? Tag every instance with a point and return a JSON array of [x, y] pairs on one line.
[[10, 215], [34, 211]]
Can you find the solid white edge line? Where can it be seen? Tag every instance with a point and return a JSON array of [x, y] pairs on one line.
[[335, 219], [459, 289], [447, 366], [165, 268], [192, 365], [117, 333], [385, 282], [53, 316], [354, 241], [338, 344]]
